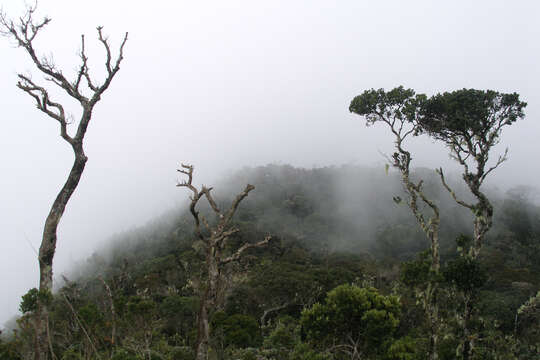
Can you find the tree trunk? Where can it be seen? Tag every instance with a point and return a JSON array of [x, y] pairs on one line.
[[214, 243], [203, 334], [433, 306], [468, 344], [434, 329], [48, 248], [483, 217], [24, 32], [207, 301]]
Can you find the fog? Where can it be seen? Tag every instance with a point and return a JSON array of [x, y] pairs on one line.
[[223, 85]]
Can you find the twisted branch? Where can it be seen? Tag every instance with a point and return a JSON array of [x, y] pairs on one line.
[[452, 192]]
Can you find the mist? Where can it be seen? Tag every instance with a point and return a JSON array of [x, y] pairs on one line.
[[226, 85]]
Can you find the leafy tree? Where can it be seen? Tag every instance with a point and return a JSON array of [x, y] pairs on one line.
[[284, 336], [405, 348], [399, 110], [31, 299], [527, 319], [470, 123], [142, 314], [353, 320]]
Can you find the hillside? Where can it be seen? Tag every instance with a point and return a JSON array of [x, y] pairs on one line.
[[139, 298]]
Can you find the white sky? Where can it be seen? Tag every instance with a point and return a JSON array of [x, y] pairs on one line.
[[223, 84]]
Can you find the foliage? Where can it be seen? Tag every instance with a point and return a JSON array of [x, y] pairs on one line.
[[417, 272], [284, 335], [32, 297], [401, 103], [351, 314], [238, 330], [8, 350], [405, 348], [152, 275], [470, 114], [303, 351], [465, 273]]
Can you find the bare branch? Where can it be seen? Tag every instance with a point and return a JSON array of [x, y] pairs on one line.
[[237, 201], [502, 158], [83, 70], [205, 222], [113, 312], [427, 201], [194, 198], [24, 33], [189, 183], [45, 104], [221, 240], [26, 30], [79, 321], [238, 253], [454, 196], [211, 201], [105, 43], [110, 70], [266, 312]]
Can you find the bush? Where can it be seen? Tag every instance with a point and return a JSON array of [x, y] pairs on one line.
[[351, 312]]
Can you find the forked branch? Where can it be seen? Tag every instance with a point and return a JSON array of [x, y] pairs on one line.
[[452, 192], [24, 33], [502, 158], [238, 253], [237, 202], [188, 170], [45, 104]]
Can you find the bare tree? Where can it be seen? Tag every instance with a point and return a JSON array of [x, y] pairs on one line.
[[214, 239], [24, 31], [398, 109]]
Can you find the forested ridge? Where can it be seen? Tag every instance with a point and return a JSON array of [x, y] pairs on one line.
[[342, 277], [279, 262]]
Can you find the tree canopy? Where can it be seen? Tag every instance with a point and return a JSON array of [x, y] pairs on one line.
[[470, 116], [397, 104], [358, 319]]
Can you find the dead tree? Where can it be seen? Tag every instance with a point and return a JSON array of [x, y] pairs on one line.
[[398, 109], [24, 31], [214, 239]]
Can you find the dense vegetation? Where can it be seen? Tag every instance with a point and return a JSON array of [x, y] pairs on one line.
[[342, 278]]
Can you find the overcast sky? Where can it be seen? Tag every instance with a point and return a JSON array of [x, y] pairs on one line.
[[224, 84]]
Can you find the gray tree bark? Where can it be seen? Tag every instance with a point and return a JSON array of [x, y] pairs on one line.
[[24, 32], [215, 242], [402, 128], [430, 226], [482, 209]]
